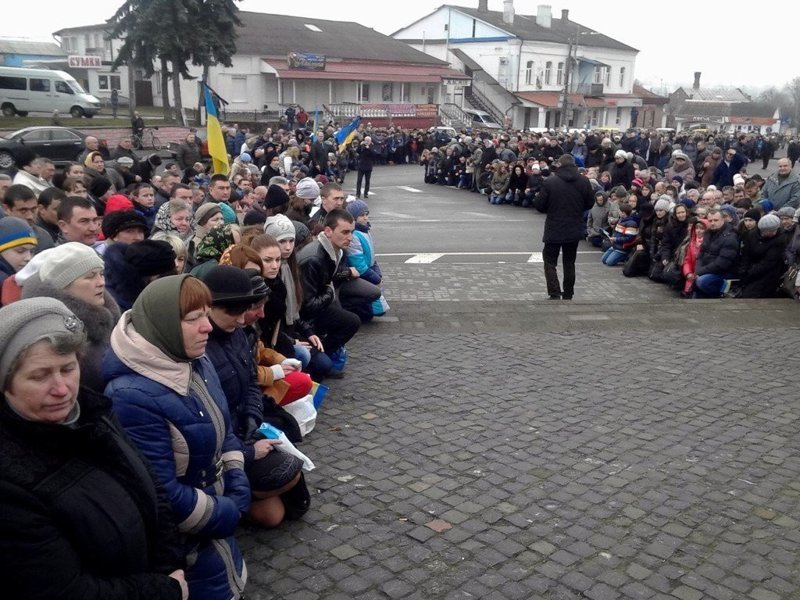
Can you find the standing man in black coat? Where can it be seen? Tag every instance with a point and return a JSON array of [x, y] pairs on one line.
[[564, 197], [366, 160]]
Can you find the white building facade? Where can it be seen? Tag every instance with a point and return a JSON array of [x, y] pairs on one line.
[[523, 65]]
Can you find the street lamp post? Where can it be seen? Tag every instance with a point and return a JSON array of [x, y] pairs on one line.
[[565, 99]]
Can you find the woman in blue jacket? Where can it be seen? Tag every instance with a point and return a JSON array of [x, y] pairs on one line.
[[168, 398]]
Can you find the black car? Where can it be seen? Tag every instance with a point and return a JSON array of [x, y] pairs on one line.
[[62, 145]]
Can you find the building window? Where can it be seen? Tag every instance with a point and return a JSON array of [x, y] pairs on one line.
[[599, 74], [618, 120], [87, 42], [529, 72], [429, 93], [387, 92], [622, 77], [560, 74], [239, 88], [608, 76], [65, 44], [157, 80], [548, 72], [405, 92], [364, 92], [108, 82], [595, 118]]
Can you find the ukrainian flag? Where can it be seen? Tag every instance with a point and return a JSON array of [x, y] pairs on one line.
[[345, 132], [216, 141]]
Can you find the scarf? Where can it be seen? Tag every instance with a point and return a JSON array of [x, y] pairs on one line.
[[292, 310], [215, 242], [164, 224]]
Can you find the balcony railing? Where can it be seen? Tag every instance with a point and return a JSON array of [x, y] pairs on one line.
[[589, 89]]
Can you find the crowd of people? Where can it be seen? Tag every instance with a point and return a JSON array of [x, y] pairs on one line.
[[680, 209], [155, 319]]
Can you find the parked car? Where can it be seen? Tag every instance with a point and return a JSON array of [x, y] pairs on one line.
[[62, 145], [481, 119]]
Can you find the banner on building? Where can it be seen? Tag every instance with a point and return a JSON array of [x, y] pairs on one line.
[[306, 61]]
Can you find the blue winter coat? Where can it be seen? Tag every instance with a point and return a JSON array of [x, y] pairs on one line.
[[361, 255], [229, 354], [191, 447]]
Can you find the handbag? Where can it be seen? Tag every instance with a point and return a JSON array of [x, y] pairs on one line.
[[789, 282], [672, 275], [637, 264]]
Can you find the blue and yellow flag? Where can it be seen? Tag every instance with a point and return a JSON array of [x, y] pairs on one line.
[[344, 133], [216, 141]]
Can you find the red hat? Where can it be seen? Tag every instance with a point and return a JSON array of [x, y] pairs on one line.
[[118, 202], [637, 182]]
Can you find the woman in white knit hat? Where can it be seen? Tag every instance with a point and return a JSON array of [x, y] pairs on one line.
[[73, 274]]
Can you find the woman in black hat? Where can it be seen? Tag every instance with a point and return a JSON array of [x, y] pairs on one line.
[[271, 472]]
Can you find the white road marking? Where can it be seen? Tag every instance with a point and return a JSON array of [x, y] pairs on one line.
[[440, 254], [399, 215], [424, 258], [536, 257], [408, 188]]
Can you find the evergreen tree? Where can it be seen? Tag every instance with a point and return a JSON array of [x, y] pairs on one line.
[[175, 31]]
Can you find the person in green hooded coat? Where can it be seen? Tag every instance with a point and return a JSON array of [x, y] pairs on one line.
[[169, 399]]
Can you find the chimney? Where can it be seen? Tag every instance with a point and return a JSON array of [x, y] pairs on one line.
[[565, 14], [543, 15], [483, 6], [696, 84], [508, 12]]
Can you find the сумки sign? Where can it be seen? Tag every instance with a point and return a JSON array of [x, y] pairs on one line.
[[84, 62]]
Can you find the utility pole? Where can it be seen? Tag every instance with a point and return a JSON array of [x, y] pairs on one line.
[[567, 73]]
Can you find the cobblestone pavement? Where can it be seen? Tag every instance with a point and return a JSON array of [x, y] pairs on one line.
[[628, 444]]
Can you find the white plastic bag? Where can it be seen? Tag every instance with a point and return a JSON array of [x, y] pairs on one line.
[[273, 433], [304, 413]]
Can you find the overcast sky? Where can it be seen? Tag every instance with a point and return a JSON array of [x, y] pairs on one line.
[[735, 45]]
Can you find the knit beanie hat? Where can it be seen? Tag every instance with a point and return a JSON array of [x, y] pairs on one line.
[[156, 315], [357, 207], [621, 154], [245, 157], [15, 232], [753, 214], [118, 202], [280, 227], [67, 262], [151, 257], [115, 222], [277, 196], [769, 222], [25, 322], [730, 210], [99, 186], [205, 212], [766, 205], [785, 211], [662, 204], [125, 161], [307, 188]]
